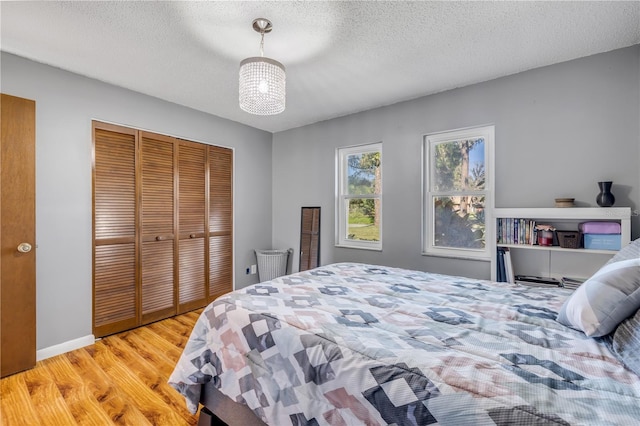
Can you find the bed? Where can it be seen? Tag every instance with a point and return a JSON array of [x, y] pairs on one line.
[[351, 344]]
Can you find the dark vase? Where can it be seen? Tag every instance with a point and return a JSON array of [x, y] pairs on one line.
[[605, 198]]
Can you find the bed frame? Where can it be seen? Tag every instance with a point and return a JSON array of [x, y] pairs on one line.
[[218, 409]]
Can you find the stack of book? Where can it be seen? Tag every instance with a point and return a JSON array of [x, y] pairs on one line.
[[533, 281], [571, 283], [504, 266]]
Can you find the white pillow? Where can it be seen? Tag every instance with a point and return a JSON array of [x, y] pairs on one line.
[[603, 301]]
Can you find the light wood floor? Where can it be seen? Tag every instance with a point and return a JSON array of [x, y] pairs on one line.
[[121, 379]]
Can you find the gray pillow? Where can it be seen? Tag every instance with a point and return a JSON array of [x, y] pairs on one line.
[[626, 342], [604, 300], [630, 251]]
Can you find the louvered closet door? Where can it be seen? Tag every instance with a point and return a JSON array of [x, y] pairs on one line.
[[158, 227], [220, 221], [191, 219], [114, 226]]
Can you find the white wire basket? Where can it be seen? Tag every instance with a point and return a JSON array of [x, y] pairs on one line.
[[272, 263]]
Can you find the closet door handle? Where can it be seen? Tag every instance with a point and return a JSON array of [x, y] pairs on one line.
[[24, 247], [193, 235], [161, 238]]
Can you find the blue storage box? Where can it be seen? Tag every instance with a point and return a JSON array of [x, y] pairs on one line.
[[602, 241]]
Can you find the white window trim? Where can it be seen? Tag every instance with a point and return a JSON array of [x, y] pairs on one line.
[[428, 247], [341, 197]]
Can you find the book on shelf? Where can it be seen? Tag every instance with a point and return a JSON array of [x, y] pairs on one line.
[[500, 273], [508, 266], [516, 231], [504, 266]]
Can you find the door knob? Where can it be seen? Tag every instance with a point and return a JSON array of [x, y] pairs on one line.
[[24, 247]]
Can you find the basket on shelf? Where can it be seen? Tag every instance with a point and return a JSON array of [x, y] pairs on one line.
[[569, 239]]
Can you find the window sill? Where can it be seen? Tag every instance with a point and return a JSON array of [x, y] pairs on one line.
[[359, 247], [457, 256]]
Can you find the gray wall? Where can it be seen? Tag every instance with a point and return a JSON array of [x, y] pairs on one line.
[[559, 130], [65, 105]]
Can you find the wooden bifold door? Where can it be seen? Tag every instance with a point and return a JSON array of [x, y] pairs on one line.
[[162, 226]]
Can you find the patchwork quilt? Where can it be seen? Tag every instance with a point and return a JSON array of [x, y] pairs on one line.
[[357, 344]]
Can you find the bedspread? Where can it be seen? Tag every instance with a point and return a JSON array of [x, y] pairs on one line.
[[351, 344]]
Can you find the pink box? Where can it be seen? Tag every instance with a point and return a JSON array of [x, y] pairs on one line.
[[599, 227]]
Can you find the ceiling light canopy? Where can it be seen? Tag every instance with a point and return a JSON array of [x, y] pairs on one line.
[[262, 80]]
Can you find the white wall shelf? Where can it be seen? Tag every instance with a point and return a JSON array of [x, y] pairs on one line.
[[555, 261], [557, 248]]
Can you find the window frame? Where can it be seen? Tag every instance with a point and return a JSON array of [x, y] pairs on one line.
[[487, 132], [342, 197]]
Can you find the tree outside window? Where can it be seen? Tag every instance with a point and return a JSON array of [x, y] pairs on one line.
[[360, 196], [458, 189]]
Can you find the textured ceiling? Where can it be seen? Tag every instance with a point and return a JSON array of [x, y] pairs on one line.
[[341, 57]]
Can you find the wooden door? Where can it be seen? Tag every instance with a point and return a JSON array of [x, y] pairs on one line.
[[310, 238], [115, 294], [158, 220], [192, 206], [220, 221], [17, 236]]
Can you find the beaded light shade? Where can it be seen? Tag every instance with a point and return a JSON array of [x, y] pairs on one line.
[[262, 80]]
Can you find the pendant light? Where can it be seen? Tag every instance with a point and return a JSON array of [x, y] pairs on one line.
[[262, 80]]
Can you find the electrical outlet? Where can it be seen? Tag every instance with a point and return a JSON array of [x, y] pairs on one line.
[[248, 271], [254, 269]]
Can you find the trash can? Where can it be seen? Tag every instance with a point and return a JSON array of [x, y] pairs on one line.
[[272, 263]]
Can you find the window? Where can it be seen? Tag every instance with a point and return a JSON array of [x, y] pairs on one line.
[[458, 192], [359, 197]]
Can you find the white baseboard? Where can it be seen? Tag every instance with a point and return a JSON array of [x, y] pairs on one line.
[[65, 347]]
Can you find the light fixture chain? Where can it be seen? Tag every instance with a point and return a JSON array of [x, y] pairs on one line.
[[262, 44]]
